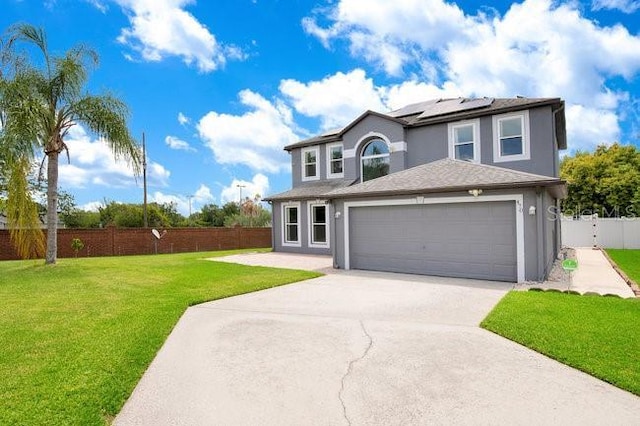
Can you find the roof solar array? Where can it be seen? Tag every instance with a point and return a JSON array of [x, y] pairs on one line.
[[413, 108], [454, 105]]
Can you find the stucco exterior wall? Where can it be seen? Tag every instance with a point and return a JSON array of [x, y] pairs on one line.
[[303, 230]]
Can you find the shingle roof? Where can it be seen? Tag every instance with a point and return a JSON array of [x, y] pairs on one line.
[[444, 110], [310, 190], [443, 176]]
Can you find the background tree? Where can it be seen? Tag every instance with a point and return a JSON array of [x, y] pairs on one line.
[[251, 215], [41, 100], [131, 215], [213, 215], [606, 181]]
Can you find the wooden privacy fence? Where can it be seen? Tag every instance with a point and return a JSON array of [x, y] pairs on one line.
[[621, 233], [113, 241]]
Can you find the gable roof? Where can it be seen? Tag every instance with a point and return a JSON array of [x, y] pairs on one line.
[[336, 135], [446, 175], [446, 110]]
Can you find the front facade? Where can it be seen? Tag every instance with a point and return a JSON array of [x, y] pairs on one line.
[[456, 187]]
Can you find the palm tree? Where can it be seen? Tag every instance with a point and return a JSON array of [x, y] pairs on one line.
[[40, 101]]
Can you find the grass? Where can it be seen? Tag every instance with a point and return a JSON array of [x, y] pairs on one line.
[[628, 261], [76, 337], [598, 335]]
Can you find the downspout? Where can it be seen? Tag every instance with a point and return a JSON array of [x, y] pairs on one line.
[[334, 233], [540, 233]]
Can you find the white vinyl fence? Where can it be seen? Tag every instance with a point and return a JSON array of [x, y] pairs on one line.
[[621, 233]]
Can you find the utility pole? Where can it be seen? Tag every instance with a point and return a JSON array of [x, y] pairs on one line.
[[189, 197], [144, 182], [240, 188]]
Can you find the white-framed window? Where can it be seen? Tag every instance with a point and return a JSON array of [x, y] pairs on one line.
[[318, 225], [291, 224], [511, 137], [310, 160], [374, 161], [464, 140], [335, 162]]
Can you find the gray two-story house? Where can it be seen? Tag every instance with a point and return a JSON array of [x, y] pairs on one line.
[[450, 187]]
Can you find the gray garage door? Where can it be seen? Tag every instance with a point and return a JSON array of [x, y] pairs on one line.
[[470, 240]]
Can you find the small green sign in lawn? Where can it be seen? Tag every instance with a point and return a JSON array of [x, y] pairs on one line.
[[569, 264]]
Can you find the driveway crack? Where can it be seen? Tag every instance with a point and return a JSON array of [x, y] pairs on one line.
[[350, 369]]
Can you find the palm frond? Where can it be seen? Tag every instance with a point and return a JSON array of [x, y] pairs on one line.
[[22, 213], [106, 116], [30, 34]]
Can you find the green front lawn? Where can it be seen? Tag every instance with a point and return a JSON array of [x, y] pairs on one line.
[[76, 337], [598, 335], [628, 261]]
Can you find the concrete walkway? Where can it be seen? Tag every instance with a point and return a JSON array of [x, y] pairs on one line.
[[362, 348], [308, 262], [595, 274]]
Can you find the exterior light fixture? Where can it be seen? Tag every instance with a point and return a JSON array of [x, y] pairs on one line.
[[475, 192]]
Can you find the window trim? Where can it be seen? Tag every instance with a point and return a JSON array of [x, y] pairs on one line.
[[304, 163], [330, 160], [311, 242], [283, 226], [361, 157], [476, 138], [526, 137]]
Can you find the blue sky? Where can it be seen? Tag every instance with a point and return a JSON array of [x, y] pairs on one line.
[[219, 88]]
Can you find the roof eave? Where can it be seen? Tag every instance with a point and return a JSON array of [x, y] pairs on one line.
[[338, 136], [531, 184]]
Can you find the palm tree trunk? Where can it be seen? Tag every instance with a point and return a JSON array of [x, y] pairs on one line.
[[52, 208]]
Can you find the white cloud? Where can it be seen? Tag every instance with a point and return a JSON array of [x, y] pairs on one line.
[[174, 142], [203, 195], [385, 32], [93, 163], [626, 6], [339, 98], [538, 48], [91, 206], [589, 127], [335, 98], [183, 119], [181, 202], [259, 185], [255, 138], [161, 28]]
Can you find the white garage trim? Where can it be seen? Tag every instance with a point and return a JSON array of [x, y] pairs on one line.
[[420, 200]]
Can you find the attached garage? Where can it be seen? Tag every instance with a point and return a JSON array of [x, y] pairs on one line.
[[461, 239]]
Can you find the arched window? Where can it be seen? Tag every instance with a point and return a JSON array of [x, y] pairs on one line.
[[374, 160]]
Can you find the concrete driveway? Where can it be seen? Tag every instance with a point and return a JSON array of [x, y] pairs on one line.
[[362, 348]]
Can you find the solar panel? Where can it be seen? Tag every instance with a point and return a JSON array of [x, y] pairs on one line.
[[413, 108], [455, 105]]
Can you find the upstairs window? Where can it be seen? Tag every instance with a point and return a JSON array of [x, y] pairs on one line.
[[334, 161], [291, 224], [464, 141], [511, 137], [310, 164], [374, 160]]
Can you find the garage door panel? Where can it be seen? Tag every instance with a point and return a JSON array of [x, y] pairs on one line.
[[475, 240]]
